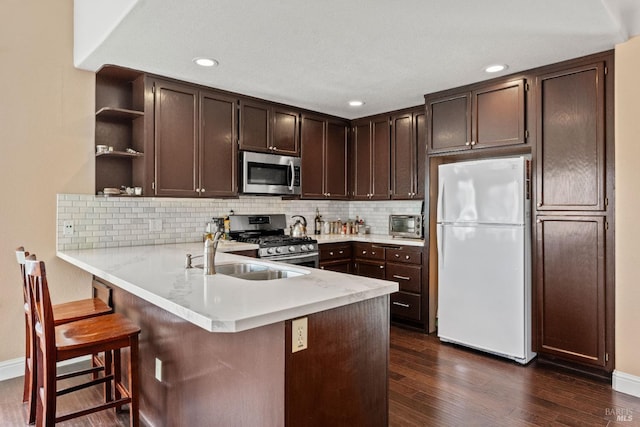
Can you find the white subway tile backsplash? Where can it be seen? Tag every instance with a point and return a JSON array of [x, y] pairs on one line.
[[124, 221]]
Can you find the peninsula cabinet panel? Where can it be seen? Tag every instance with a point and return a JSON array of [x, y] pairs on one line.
[[571, 296], [218, 148], [324, 158], [176, 143], [571, 140]]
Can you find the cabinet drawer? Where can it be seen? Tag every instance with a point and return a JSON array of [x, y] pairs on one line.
[[408, 276], [404, 255], [373, 269], [368, 251], [405, 305], [341, 266], [335, 251]]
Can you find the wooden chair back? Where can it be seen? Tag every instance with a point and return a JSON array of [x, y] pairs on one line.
[[38, 290]]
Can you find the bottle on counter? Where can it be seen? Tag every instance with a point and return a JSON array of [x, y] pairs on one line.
[[317, 224]]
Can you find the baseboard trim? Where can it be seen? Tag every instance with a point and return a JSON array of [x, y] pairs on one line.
[[11, 368], [14, 368], [626, 383]]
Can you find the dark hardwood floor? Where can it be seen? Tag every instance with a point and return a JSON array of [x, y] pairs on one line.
[[434, 384]]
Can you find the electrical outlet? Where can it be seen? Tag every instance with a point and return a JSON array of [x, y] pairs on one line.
[[299, 329], [155, 225], [158, 369], [68, 228]]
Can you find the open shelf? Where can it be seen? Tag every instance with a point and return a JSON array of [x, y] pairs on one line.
[[119, 154], [114, 113]]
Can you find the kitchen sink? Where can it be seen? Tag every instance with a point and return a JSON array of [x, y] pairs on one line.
[[248, 271]]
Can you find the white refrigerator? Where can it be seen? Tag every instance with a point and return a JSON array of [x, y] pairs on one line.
[[484, 256]]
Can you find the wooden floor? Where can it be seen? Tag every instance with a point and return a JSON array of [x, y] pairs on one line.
[[434, 384]]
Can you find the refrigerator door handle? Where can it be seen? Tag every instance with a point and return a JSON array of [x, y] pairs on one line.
[[440, 244], [440, 207]]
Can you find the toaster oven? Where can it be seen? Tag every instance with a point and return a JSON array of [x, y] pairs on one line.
[[406, 226]]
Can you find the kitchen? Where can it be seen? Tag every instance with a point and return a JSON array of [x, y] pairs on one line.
[[73, 171]]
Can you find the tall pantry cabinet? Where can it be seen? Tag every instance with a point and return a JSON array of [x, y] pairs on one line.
[[574, 213]]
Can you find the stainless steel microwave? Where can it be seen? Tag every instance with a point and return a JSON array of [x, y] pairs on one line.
[[406, 226], [269, 174]]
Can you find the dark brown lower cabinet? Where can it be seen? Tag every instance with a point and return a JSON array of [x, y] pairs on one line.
[[252, 378], [571, 288], [336, 257]]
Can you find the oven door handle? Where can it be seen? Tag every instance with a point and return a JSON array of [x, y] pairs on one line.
[[292, 169], [286, 258]]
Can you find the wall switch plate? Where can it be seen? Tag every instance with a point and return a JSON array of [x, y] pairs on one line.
[[155, 225], [158, 369], [67, 228], [299, 328]]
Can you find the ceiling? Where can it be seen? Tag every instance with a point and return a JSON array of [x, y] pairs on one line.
[[319, 55]]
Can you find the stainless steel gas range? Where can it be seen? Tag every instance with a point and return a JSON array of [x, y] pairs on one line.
[[267, 231]]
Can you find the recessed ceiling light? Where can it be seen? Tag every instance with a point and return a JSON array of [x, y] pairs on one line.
[[205, 62], [356, 103], [496, 68]]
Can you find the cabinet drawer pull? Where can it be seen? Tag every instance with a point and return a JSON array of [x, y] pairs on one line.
[[364, 252], [331, 253], [373, 252], [401, 304], [382, 266], [341, 252], [407, 257], [397, 255], [401, 277]]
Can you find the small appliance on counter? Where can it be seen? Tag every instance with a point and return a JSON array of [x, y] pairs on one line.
[[405, 226]]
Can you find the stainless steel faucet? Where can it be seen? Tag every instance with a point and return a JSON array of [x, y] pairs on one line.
[[210, 246]]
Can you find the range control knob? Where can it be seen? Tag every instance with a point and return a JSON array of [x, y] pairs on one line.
[[292, 249], [279, 250], [303, 248], [270, 251]]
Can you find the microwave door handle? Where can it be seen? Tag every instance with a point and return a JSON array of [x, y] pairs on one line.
[[293, 175]]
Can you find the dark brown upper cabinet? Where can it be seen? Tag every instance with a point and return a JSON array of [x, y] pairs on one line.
[[324, 158], [370, 159], [269, 129], [195, 142], [492, 115], [571, 139], [407, 155]]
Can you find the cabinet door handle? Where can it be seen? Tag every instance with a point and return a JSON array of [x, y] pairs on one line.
[[382, 266], [396, 276], [407, 257], [373, 252], [331, 253], [341, 252], [397, 255], [401, 304], [364, 252], [202, 190], [473, 143], [539, 204], [467, 143]]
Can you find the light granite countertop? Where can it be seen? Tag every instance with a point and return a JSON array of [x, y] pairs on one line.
[[221, 303], [371, 238]]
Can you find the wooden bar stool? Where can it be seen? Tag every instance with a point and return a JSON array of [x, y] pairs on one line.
[[62, 313], [109, 333]]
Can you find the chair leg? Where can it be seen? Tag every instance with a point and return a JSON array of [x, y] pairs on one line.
[[117, 376], [27, 363], [108, 370], [46, 413], [134, 416]]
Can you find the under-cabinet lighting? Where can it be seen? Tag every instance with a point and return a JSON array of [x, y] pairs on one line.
[[205, 62], [496, 68], [356, 103]]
